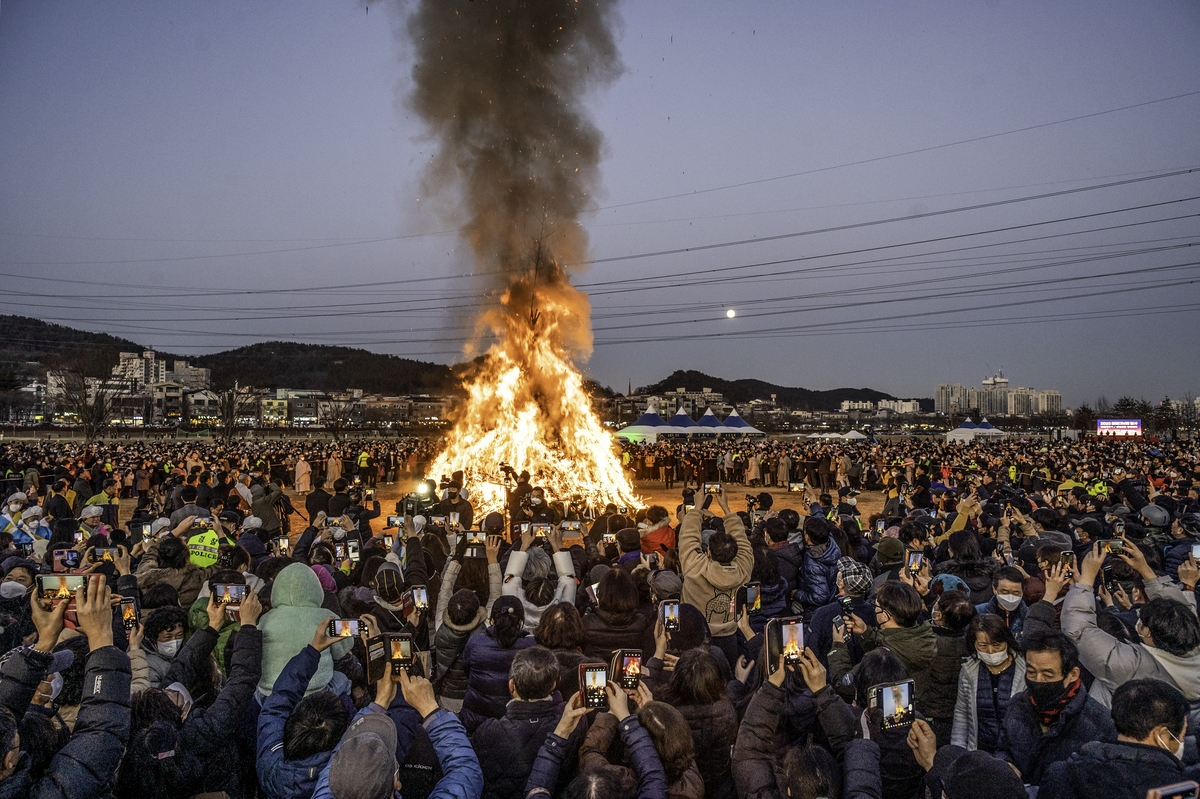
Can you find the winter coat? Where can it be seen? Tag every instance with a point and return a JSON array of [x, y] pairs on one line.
[[818, 577], [788, 560], [186, 581], [208, 733], [289, 625], [1032, 751], [965, 732], [977, 574], [774, 604], [1111, 771], [279, 777], [714, 729], [198, 620], [709, 586], [942, 690], [658, 537], [486, 664], [652, 780], [916, 647], [754, 750], [593, 756], [448, 644], [507, 747], [607, 632], [460, 767], [819, 635], [899, 774], [1177, 554], [564, 592], [1113, 662], [84, 767], [263, 507]]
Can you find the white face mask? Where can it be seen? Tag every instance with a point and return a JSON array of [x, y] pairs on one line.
[[851, 501], [535, 500], [992, 658], [14, 507], [169, 649], [1178, 750], [1008, 601], [12, 590]]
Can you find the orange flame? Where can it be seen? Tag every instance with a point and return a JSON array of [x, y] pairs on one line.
[[526, 405]]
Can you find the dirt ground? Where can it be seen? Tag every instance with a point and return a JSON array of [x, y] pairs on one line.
[[651, 491]]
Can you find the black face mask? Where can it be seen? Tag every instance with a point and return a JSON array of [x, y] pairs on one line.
[[1045, 694]]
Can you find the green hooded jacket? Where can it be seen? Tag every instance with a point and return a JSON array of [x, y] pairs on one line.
[[290, 624]]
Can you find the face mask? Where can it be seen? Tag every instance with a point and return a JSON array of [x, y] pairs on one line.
[[14, 507], [992, 658], [12, 590], [1178, 750], [169, 649], [338, 533], [1045, 694], [535, 500], [1008, 601], [851, 501]]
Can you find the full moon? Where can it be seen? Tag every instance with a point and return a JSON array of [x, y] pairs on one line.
[[730, 313]]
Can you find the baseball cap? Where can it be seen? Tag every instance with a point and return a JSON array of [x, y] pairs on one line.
[[364, 766], [665, 584], [158, 525], [890, 549]]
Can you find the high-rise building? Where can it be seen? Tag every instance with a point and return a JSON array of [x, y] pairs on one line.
[[140, 369], [995, 398]]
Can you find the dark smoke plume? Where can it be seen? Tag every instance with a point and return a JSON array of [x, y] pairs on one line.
[[500, 85]]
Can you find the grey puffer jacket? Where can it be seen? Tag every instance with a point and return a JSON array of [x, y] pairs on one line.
[[448, 645]]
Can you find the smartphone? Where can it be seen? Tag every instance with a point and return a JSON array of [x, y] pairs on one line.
[[593, 677], [541, 529], [896, 702], [60, 586], [999, 547], [781, 635], [1113, 546], [454, 517], [1065, 559], [688, 508], [749, 598], [369, 495], [796, 488], [279, 547], [1118, 527], [1196, 552], [914, 562], [712, 488], [104, 554], [668, 612], [230, 594], [608, 538], [476, 538], [202, 523], [400, 653], [352, 550], [1181, 790], [420, 598], [437, 521], [1110, 583], [333, 521], [395, 521], [344, 628], [592, 594], [629, 668], [653, 560], [839, 623], [339, 551], [880, 525], [131, 613], [64, 559], [78, 536], [573, 526]]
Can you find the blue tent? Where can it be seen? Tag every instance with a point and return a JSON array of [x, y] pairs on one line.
[[739, 426], [968, 425], [710, 420], [647, 428]]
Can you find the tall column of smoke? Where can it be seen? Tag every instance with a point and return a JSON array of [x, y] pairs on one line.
[[499, 83]]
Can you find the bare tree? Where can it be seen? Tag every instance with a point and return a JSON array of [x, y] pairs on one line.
[[339, 413], [232, 404], [91, 401]]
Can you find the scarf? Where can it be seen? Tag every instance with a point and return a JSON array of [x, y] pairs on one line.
[[1047, 716]]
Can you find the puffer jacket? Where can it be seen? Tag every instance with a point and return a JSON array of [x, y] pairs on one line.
[[708, 585], [1114, 662], [714, 730], [965, 732], [1015, 620], [84, 767], [788, 559], [289, 625], [1032, 751], [1177, 553], [448, 644], [607, 632], [944, 672], [818, 577], [916, 647], [899, 774], [507, 747], [486, 664], [263, 506], [1111, 771], [279, 777]]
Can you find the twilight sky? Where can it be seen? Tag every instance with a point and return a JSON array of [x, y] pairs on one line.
[[202, 174]]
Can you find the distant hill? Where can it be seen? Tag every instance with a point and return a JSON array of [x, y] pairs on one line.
[[746, 390], [54, 346], [287, 364]]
